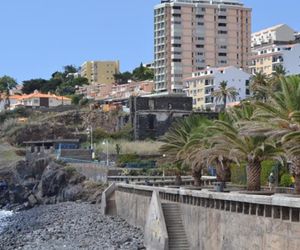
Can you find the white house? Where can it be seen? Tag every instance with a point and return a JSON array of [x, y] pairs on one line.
[[36, 99], [277, 33], [203, 83]]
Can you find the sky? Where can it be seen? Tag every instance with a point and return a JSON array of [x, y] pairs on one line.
[[39, 37]]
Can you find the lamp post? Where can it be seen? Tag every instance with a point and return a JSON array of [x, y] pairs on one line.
[[105, 142], [90, 131], [164, 156]]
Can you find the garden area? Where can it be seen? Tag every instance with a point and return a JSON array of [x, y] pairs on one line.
[[249, 143]]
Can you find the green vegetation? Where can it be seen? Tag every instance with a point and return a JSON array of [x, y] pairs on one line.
[[127, 158], [140, 73], [8, 155], [61, 83], [70, 170], [261, 131], [100, 134], [7, 83], [223, 93], [286, 180]]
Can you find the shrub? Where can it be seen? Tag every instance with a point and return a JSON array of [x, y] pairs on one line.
[[238, 174], [70, 170], [125, 133], [128, 158], [266, 169], [8, 124], [100, 134], [76, 99], [84, 102], [286, 180]]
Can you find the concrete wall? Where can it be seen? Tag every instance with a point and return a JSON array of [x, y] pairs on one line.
[[156, 234], [216, 221], [210, 229], [108, 200], [132, 207]]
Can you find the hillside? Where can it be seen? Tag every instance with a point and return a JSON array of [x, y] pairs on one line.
[[8, 155]]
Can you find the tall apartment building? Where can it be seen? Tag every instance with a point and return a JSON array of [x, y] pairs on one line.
[[100, 71], [190, 35], [274, 46]]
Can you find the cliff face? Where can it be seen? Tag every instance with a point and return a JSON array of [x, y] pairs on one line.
[[70, 124], [44, 181]]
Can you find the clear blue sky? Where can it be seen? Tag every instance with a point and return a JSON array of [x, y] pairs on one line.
[[38, 37]]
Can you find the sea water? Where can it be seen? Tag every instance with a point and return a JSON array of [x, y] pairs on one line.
[[3, 216]]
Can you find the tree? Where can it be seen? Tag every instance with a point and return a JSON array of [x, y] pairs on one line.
[[260, 86], [142, 73], [123, 78], [237, 145], [279, 118], [204, 154], [180, 140], [223, 94], [279, 72], [30, 86], [7, 83]]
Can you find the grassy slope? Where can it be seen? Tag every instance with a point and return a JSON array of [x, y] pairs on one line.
[[7, 155]]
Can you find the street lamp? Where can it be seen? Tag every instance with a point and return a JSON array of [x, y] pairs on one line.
[[164, 156], [105, 142], [90, 131]]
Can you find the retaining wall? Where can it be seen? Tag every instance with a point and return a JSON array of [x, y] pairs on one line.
[[220, 220]]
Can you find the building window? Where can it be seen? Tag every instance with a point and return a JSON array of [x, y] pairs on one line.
[[200, 46], [176, 15], [222, 54], [199, 16], [222, 24], [222, 32], [176, 45], [176, 60], [222, 17], [176, 7]]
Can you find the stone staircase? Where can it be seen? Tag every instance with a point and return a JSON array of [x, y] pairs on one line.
[[175, 228]]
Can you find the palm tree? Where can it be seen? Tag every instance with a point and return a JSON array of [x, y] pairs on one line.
[[179, 141], [201, 154], [260, 86], [7, 83], [278, 73], [279, 118], [231, 142], [223, 94]]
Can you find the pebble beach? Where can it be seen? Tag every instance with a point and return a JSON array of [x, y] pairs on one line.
[[67, 226]]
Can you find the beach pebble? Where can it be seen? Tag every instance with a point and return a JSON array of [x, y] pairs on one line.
[[68, 226]]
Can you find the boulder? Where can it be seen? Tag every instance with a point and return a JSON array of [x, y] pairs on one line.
[[44, 181]]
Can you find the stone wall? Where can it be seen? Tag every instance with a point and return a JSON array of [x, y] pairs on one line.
[[216, 221], [152, 116]]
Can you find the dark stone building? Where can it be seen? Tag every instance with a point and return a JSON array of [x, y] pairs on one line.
[[152, 116]]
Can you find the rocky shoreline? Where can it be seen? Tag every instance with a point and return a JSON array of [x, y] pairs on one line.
[[68, 226]]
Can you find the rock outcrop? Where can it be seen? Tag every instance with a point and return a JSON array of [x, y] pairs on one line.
[[44, 181]]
